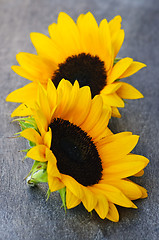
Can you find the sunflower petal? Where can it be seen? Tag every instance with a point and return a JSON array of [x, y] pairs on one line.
[[111, 88], [105, 44], [71, 200], [102, 206], [114, 195], [48, 138], [45, 47], [70, 42], [139, 174], [89, 200], [51, 94], [112, 100], [21, 111], [118, 149], [32, 135], [130, 189], [128, 92], [94, 114], [88, 29], [23, 94], [115, 25], [52, 169], [73, 186], [37, 153], [133, 68], [43, 102], [113, 214], [23, 73], [119, 68], [125, 167], [54, 183], [97, 131], [83, 105], [35, 66], [117, 41], [115, 112]]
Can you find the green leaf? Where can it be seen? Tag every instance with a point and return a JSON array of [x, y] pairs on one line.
[[62, 192]]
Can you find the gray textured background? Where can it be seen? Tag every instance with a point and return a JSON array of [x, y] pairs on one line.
[[24, 212]]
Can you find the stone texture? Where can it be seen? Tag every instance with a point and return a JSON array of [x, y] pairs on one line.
[[24, 212]]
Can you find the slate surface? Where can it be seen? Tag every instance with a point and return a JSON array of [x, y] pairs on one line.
[[24, 212]]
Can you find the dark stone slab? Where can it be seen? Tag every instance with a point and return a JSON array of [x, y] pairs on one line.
[[24, 212]]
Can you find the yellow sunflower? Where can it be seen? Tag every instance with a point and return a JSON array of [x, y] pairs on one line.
[[80, 51], [81, 153]]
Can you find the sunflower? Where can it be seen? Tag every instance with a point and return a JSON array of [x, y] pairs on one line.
[[82, 155], [80, 51]]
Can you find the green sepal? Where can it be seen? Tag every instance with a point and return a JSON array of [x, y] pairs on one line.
[[116, 60], [38, 173], [28, 122], [25, 150], [62, 192], [48, 194]]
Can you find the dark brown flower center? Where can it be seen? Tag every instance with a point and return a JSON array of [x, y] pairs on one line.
[[76, 154], [86, 69]]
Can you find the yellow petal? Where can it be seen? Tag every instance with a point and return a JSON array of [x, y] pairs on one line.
[[119, 68], [118, 149], [23, 94], [45, 47], [102, 206], [139, 174], [37, 153], [101, 126], [115, 112], [21, 110], [52, 169], [130, 189], [125, 167], [23, 73], [73, 186], [133, 68], [113, 137], [117, 41], [71, 200], [88, 29], [128, 92], [48, 138], [51, 94], [71, 103], [63, 98], [41, 121], [111, 88], [112, 100], [83, 105], [43, 103], [115, 25], [35, 66], [55, 183], [32, 135], [144, 192], [59, 34], [105, 44], [114, 195], [89, 200], [94, 114], [113, 214]]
